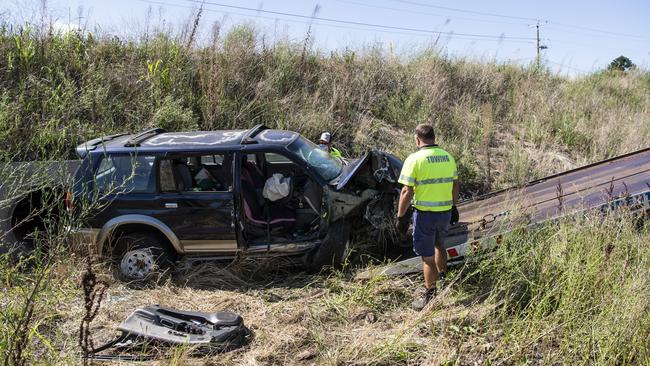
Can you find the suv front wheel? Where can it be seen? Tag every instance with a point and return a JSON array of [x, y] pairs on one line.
[[141, 256]]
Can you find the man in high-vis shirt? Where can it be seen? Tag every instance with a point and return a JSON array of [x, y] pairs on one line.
[[430, 180]]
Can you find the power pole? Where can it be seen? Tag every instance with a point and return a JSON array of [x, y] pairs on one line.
[[539, 46], [537, 26]]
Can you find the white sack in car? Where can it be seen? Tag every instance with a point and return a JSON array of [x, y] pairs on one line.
[[276, 187]]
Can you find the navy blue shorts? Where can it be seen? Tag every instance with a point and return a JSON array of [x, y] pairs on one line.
[[429, 229]]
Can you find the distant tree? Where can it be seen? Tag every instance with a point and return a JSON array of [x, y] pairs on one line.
[[621, 63]]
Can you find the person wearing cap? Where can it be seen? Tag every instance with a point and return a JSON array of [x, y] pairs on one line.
[[430, 181], [325, 143]]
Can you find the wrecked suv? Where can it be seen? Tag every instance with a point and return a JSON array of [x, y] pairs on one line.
[[211, 194]]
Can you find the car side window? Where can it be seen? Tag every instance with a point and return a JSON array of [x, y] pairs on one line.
[[125, 174], [167, 181], [274, 158], [197, 173]]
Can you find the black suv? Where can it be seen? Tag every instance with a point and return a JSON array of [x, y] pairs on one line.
[[220, 194]]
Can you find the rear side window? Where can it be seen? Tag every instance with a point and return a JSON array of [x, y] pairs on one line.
[[196, 173], [167, 180], [125, 174]]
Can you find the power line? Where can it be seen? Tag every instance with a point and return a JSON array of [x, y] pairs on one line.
[[633, 39], [228, 12], [410, 33], [360, 23], [600, 31], [464, 10], [585, 45], [426, 13], [521, 18], [382, 28]]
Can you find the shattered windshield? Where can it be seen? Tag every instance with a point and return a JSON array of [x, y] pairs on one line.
[[326, 165]]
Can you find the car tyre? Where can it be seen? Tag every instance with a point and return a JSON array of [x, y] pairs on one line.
[[333, 251], [141, 257]]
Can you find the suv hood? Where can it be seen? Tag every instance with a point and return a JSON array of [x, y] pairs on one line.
[[384, 167]]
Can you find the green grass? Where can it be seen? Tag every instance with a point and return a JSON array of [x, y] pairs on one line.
[[60, 89], [577, 288]]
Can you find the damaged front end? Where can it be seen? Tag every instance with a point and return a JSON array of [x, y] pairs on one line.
[[366, 195]]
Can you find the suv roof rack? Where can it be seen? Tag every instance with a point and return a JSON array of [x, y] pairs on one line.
[[90, 145], [138, 139], [248, 136]]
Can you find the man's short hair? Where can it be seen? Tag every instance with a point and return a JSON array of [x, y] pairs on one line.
[[425, 132]]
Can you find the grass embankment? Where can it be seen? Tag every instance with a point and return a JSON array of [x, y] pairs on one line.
[[505, 123], [553, 296]]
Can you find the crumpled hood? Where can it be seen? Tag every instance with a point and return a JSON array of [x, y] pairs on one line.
[[385, 166]]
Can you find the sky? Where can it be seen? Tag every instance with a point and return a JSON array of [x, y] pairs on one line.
[[580, 36]]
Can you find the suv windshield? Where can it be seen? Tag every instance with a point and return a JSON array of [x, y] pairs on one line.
[[326, 165]]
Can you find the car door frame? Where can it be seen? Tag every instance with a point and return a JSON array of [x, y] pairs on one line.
[[192, 245], [281, 150]]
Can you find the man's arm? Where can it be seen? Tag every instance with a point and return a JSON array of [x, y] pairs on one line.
[[407, 178], [405, 199], [456, 191]]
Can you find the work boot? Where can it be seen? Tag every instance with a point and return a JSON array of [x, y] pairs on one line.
[[419, 303]]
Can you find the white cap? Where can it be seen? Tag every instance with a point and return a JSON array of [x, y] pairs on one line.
[[325, 136]]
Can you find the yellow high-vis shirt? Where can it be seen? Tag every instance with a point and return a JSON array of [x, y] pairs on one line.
[[431, 171]]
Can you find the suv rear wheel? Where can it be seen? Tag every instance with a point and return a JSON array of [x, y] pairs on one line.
[[141, 256]]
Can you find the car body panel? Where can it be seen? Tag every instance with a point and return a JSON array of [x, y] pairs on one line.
[[111, 225], [350, 170], [198, 215], [384, 167]]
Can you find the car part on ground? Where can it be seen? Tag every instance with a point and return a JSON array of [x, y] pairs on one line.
[[156, 326], [605, 186]]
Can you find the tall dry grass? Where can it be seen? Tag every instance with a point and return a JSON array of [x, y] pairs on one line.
[[505, 123]]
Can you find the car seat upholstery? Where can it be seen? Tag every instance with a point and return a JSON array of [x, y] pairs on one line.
[[220, 175], [254, 173], [254, 205], [186, 181]]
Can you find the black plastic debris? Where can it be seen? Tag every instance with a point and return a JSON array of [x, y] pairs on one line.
[[161, 327]]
